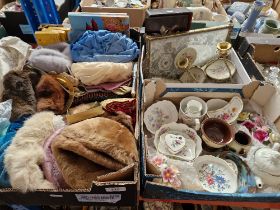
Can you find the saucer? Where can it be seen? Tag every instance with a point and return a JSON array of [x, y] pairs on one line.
[[192, 142], [158, 114], [215, 174], [218, 70], [229, 112], [189, 53]]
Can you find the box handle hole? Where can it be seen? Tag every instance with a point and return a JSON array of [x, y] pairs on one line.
[[277, 49]]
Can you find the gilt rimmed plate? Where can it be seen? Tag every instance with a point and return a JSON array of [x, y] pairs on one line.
[[229, 112], [194, 74], [193, 143], [158, 114], [215, 175], [218, 70]]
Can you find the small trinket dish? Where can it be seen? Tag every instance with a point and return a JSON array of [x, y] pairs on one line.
[[194, 74], [185, 144], [230, 112], [220, 70], [215, 174], [158, 114]]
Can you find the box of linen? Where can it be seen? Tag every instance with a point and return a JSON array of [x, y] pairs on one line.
[[69, 122], [208, 147]]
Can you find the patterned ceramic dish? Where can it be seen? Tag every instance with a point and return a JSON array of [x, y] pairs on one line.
[[194, 74], [188, 53], [229, 112], [219, 69], [215, 174], [185, 144], [158, 114]]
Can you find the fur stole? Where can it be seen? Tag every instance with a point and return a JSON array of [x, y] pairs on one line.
[[50, 95], [25, 154], [87, 151], [18, 86]]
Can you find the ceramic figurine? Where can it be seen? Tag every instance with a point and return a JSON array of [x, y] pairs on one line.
[[265, 163]]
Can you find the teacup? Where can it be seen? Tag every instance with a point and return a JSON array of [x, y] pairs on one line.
[[216, 133], [241, 143], [192, 111]]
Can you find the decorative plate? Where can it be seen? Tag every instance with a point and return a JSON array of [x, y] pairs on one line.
[[193, 75], [230, 112], [215, 175], [158, 114], [218, 70], [189, 53], [191, 147]]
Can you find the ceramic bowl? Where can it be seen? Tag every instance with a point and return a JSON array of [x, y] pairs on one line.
[[187, 150], [229, 112], [215, 174], [158, 114], [215, 104], [216, 133]]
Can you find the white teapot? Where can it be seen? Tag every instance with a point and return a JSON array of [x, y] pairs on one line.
[[265, 163]]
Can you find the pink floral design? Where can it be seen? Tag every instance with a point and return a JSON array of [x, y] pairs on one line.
[[168, 175], [225, 116], [209, 179], [261, 135], [249, 125], [158, 160]]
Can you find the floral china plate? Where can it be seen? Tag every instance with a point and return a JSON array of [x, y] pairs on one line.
[[215, 174], [229, 112], [188, 53], [194, 74], [178, 141], [158, 114]]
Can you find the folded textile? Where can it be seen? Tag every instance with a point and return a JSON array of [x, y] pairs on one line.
[[87, 151], [96, 73], [50, 95], [25, 154], [5, 141], [49, 166], [19, 86], [104, 46], [50, 60], [14, 53], [107, 86]]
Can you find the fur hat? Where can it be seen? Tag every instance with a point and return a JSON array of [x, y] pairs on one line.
[[50, 95], [25, 154], [18, 86], [87, 151], [50, 60]]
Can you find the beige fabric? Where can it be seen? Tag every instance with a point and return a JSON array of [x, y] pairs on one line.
[[92, 149], [95, 73]]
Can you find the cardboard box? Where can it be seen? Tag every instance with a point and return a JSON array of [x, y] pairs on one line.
[[264, 99], [136, 15]]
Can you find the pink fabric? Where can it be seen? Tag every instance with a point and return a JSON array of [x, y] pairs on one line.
[[107, 86], [50, 168]]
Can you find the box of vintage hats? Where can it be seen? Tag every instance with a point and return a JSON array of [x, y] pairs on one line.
[[210, 146], [58, 102]]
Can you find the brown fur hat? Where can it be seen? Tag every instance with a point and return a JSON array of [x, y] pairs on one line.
[[96, 149], [50, 95], [19, 86]]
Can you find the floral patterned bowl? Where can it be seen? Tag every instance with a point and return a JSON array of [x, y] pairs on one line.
[[191, 148], [229, 112], [158, 114], [215, 174]]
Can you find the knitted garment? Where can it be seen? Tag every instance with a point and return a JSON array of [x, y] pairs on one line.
[[88, 151]]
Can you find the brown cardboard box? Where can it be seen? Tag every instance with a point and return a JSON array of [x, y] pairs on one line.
[[276, 6], [136, 15]]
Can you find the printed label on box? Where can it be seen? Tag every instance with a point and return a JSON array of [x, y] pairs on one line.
[[99, 198], [115, 189], [26, 29]]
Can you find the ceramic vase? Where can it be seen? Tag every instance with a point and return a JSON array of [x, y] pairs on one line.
[[249, 24], [270, 26]]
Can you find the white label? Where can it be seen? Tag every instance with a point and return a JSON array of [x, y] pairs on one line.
[[99, 198], [115, 189]]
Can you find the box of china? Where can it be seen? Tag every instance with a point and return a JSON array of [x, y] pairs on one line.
[[162, 54], [261, 98], [105, 193]]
